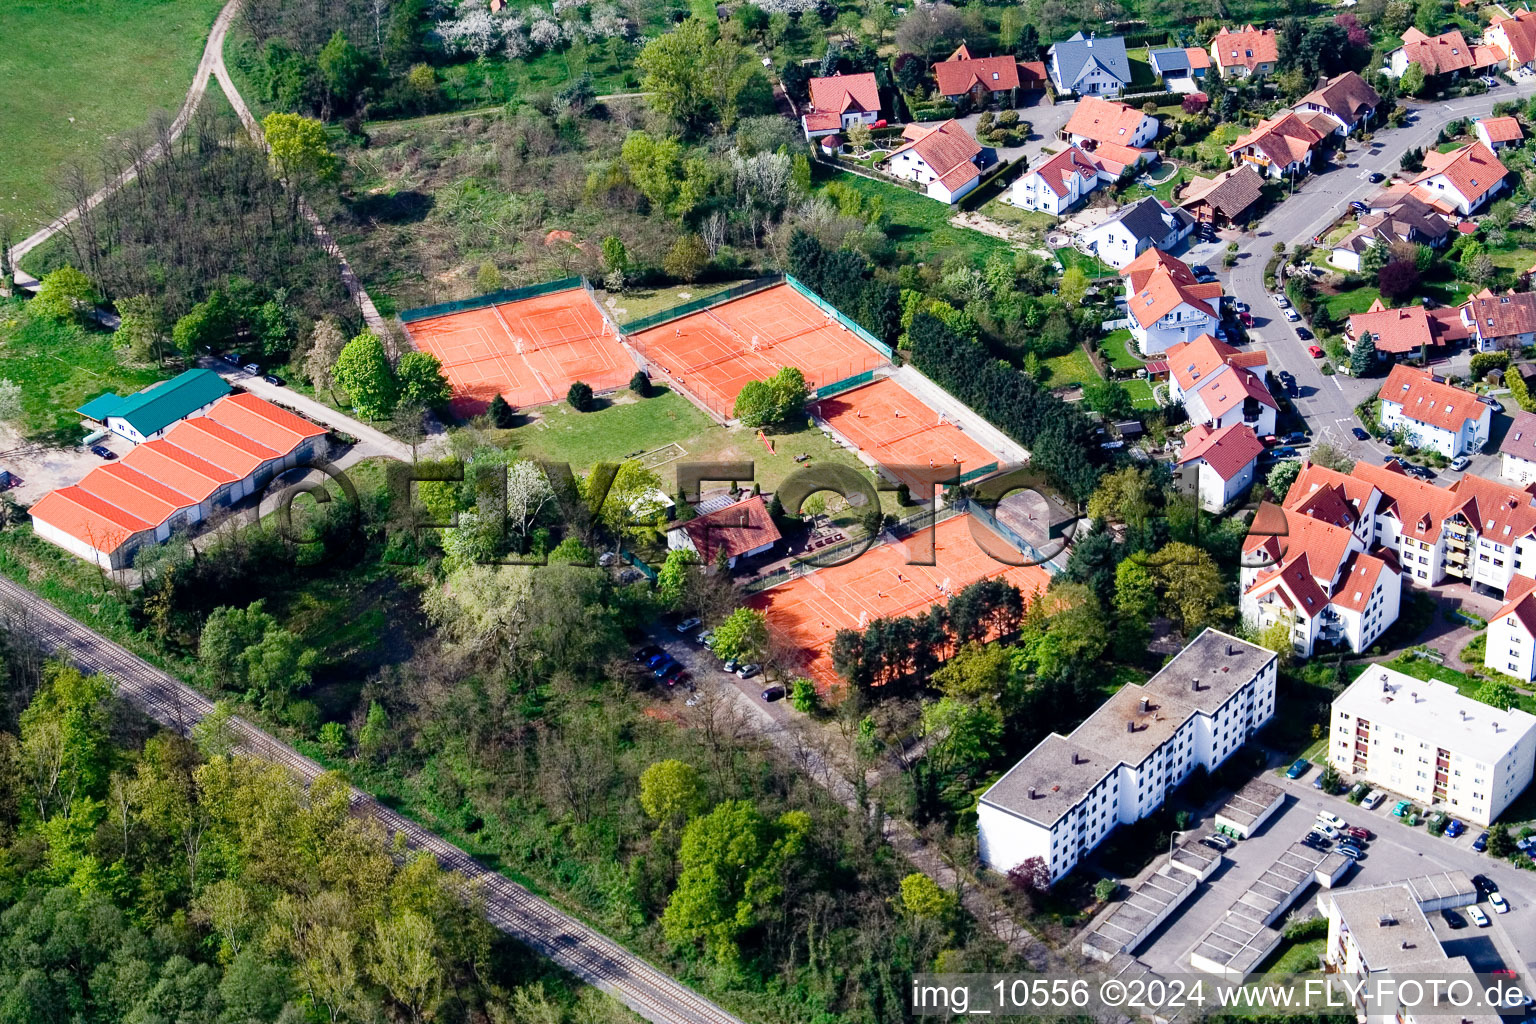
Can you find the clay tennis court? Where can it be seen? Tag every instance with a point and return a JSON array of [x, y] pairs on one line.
[[713, 353], [903, 434], [529, 351], [807, 612]]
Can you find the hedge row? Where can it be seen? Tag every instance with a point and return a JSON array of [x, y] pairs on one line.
[[993, 184]]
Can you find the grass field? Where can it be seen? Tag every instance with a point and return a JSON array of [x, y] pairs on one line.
[[60, 367], [639, 302], [74, 76], [1119, 347], [1091, 265], [1025, 220], [1073, 368], [921, 225], [1141, 394]]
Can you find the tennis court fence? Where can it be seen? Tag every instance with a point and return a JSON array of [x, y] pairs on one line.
[[492, 299], [904, 528], [645, 323], [1010, 536], [837, 314], [837, 387]]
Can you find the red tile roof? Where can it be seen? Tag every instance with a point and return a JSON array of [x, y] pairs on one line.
[[1032, 74], [1472, 170], [1218, 374], [1418, 507], [1502, 129], [1164, 289], [841, 94], [1400, 331], [1520, 602], [1228, 451], [1425, 400], [1104, 121], [1358, 581], [734, 529], [1437, 55], [1247, 47], [1199, 60], [1347, 97], [947, 149], [1498, 510], [961, 73], [1059, 170], [1501, 316], [1283, 139], [88, 518], [1521, 33], [1327, 494]]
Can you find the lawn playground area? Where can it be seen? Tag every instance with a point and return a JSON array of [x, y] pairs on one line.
[[807, 612], [915, 444], [528, 350], [713, 353]]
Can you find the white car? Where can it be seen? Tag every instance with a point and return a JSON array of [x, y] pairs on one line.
[[1292, 315], [1499, 904], [1281, 300], [1327, 830], [1329, 818], [1373, 799], [1478, 917]]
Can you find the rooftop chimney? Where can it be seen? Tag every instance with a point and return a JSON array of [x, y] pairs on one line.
[[1194, 684], [1146, 705], [1130, 726], [1231, 650], [1031, 792], [1075, 758]]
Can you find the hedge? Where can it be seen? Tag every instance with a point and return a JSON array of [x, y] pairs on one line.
[[1161, 99], [993, 184]]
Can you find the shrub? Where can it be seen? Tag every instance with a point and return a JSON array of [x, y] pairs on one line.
[[640, 384], [579, 395]]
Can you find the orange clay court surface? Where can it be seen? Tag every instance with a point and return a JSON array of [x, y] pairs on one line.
[[711, 353], [895, 428], [808, 611], [562, 337]]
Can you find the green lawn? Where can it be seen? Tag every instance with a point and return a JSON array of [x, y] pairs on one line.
[[1163, 190], [1092, 265], [74, 76], [639, 302], [60, 367], [1027, 220], [1073, 368], [1141, 393], [1358, 300], [1119, 349], [1142, 75], [1519, 260], [921, 225], [1213, 148]]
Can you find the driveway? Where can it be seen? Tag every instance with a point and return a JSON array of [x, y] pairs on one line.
[[1047, 119]]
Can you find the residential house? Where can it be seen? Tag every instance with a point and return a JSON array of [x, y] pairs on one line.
[[1060, 183], [1247, 51], [176, 480], [1500, 322], [742, 530], [1279, 147], [1142, 225], [944, 159], [1516, 36], [1518, 449], [1404, 333], [1068, 793], [1347, 100], [1510, 645], [1446, 54], [1318, 578], [1117, 135], [839, 102], [1395, 214], [1498, 132], [1229, 198], [1222, 461], [1090, 65], [1166, 305], [148, 414], [1388, 728], [1182, 69], [962, 76], [1432, 414], [1220, 386], [1461, 181]]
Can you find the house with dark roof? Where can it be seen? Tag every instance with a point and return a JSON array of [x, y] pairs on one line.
[[1432, 414], [737, 531], [201, 463], [1137, 227], [963, 76], [1089, 65], [1181, 68], [146, 415], [839, 102], [945, 160], [1518, 449], [1229, 198], [1500, 322], [1221, 462], [1347, 100], [1246, 51]]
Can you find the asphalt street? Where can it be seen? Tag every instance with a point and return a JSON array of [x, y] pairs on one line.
[[1327, 402]]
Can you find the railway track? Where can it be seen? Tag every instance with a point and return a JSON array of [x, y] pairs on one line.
[[585, 952]]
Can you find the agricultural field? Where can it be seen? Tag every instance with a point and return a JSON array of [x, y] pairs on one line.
[[74, 78]]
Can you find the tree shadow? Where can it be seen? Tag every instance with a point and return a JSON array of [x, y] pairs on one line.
[[407, 207]]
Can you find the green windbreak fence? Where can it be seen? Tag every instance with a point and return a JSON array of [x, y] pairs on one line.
[[837, 387], [639, 563], [837, 314], [704, 302], [979, 472], [491, 299]]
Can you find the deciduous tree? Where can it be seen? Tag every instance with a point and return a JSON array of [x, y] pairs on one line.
[[362, 370]]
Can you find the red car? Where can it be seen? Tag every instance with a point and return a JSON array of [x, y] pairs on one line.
[[1246, 318], [1314, 352], [1269, 440], [1358, 832]]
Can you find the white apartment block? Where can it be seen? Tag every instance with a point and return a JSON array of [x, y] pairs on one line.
[[1431, 414], [1511, 634], [1427, 742], [1068, 793]]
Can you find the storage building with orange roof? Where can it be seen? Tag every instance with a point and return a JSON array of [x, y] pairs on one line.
[[202, 463]]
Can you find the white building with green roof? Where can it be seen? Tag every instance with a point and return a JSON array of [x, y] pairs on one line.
[[148, 414]]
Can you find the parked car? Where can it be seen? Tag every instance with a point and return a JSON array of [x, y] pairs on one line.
[[101, 451], [1317, 783], [1460, 463], [1350, 846], [1352, 853], [748, 671], [689, 625], [1452, 919], [1289, 380], [1455, 829], [703, 639], [1480, 843], [1499, 904], [1492, 403], [1219, 841], [1422, 472], [673, 673], [1246, 318], [1484, 885], [1479, 918], [1317, 839], [773, 693], [1376, 177], [1328, 831], [1373, 800], [664, 667], [1314, 351], [1298, 769], [1303, 334], [1359, 833], [656, 659], [1295, 437], [1292, 316], [233, 358], [1359, 205], [252, 368], [1360, 433], [1281, 300], [275, 380], [1508, 974], [1331, 819], [647, 652], [1284, 452]]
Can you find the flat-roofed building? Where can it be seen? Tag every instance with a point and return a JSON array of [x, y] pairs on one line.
[[1428, 742], [1069, 792]]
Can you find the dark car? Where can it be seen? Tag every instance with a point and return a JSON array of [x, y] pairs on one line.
[[1298, 769], [1422, 472], [1453, 919], [103, 452], [1295, 437], [1285, 451], [773, 693], [1359, 205], [1360, 434], [672, 674], [1480, 844], [665, 666], [1375, 177], [275, 380], [647, 652], [1492, 403], [656, 659], [1201, 268], [1317, 783], [1484, 884], [233, 358], [1303, 334], [1455, 828]]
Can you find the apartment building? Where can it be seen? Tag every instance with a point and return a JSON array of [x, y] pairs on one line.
[[1428, 742], [1510, 642], [1432, 414], [1069, 792]]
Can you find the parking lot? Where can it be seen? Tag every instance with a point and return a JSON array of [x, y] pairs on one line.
[[1396, 853], [704, 669]]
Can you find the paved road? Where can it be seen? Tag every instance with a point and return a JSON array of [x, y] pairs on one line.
[[1327, 402], [586, 953], [371, 440]]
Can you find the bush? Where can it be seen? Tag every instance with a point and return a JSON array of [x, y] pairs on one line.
[[640, 384], [503, 416], [579, 395], [1485, 361], [1310, 928]]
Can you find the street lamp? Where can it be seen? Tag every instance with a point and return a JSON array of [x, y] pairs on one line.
[[1171, 837]]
